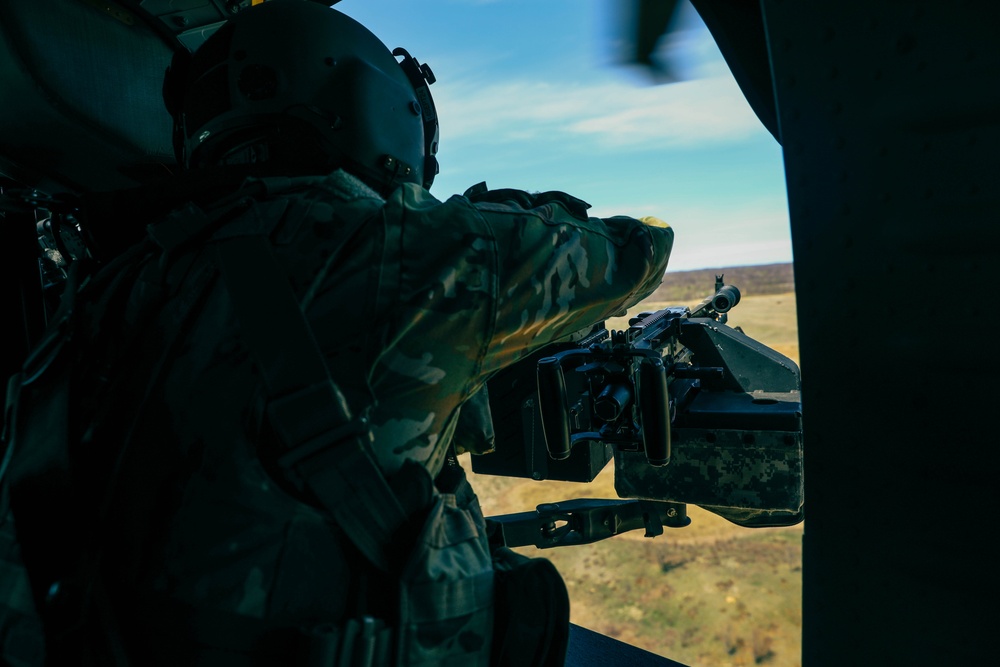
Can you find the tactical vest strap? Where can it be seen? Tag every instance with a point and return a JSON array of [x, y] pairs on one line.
[[6, 439], [328, 449]]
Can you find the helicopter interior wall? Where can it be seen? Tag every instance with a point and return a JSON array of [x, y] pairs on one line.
[[890, 120], [82, 87]]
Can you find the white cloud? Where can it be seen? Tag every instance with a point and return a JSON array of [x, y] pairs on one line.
[[611, 113], [497, 97], [686, 113]]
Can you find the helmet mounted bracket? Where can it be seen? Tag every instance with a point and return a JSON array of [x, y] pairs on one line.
[[421, 77]]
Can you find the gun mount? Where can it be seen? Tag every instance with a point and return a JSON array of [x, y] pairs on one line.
[[691, 411]]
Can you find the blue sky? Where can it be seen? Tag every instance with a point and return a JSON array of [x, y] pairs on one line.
[[532, 95]]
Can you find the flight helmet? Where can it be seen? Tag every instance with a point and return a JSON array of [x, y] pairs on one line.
[[298, 87]]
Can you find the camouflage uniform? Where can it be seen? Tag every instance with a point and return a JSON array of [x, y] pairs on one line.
[[424, 303]]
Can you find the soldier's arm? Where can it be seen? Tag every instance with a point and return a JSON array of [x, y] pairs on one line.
[[560, 271]]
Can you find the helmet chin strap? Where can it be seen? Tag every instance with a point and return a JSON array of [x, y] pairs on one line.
[[421, 77]]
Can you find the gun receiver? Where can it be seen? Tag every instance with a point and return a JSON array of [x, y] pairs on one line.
[[690, 409]]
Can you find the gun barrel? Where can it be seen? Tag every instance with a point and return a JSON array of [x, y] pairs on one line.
[[725, 299], [612, 401]]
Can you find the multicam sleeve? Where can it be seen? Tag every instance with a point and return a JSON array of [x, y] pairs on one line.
[[560, 271]]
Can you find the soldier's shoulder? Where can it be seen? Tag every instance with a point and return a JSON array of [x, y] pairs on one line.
[[418, 203], [339, 185]]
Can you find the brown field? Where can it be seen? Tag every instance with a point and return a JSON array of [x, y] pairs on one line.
[[712, 594], [691, 286]]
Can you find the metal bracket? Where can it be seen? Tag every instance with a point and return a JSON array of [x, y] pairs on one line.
[[586, 520]]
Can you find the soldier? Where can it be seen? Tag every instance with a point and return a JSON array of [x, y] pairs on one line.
[[232, 528]]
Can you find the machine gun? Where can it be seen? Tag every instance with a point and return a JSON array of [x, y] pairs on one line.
[[691, 410]]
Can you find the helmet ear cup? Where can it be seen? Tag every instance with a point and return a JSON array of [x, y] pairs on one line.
[[174, 81], [431, 169]]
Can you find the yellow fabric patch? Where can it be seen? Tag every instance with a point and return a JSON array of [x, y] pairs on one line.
[[654, 222]]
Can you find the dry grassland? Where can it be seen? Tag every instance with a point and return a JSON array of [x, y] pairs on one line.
[[708, 595]]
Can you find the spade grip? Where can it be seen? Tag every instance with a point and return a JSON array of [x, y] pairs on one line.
[[654, 411], [552, 407]]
